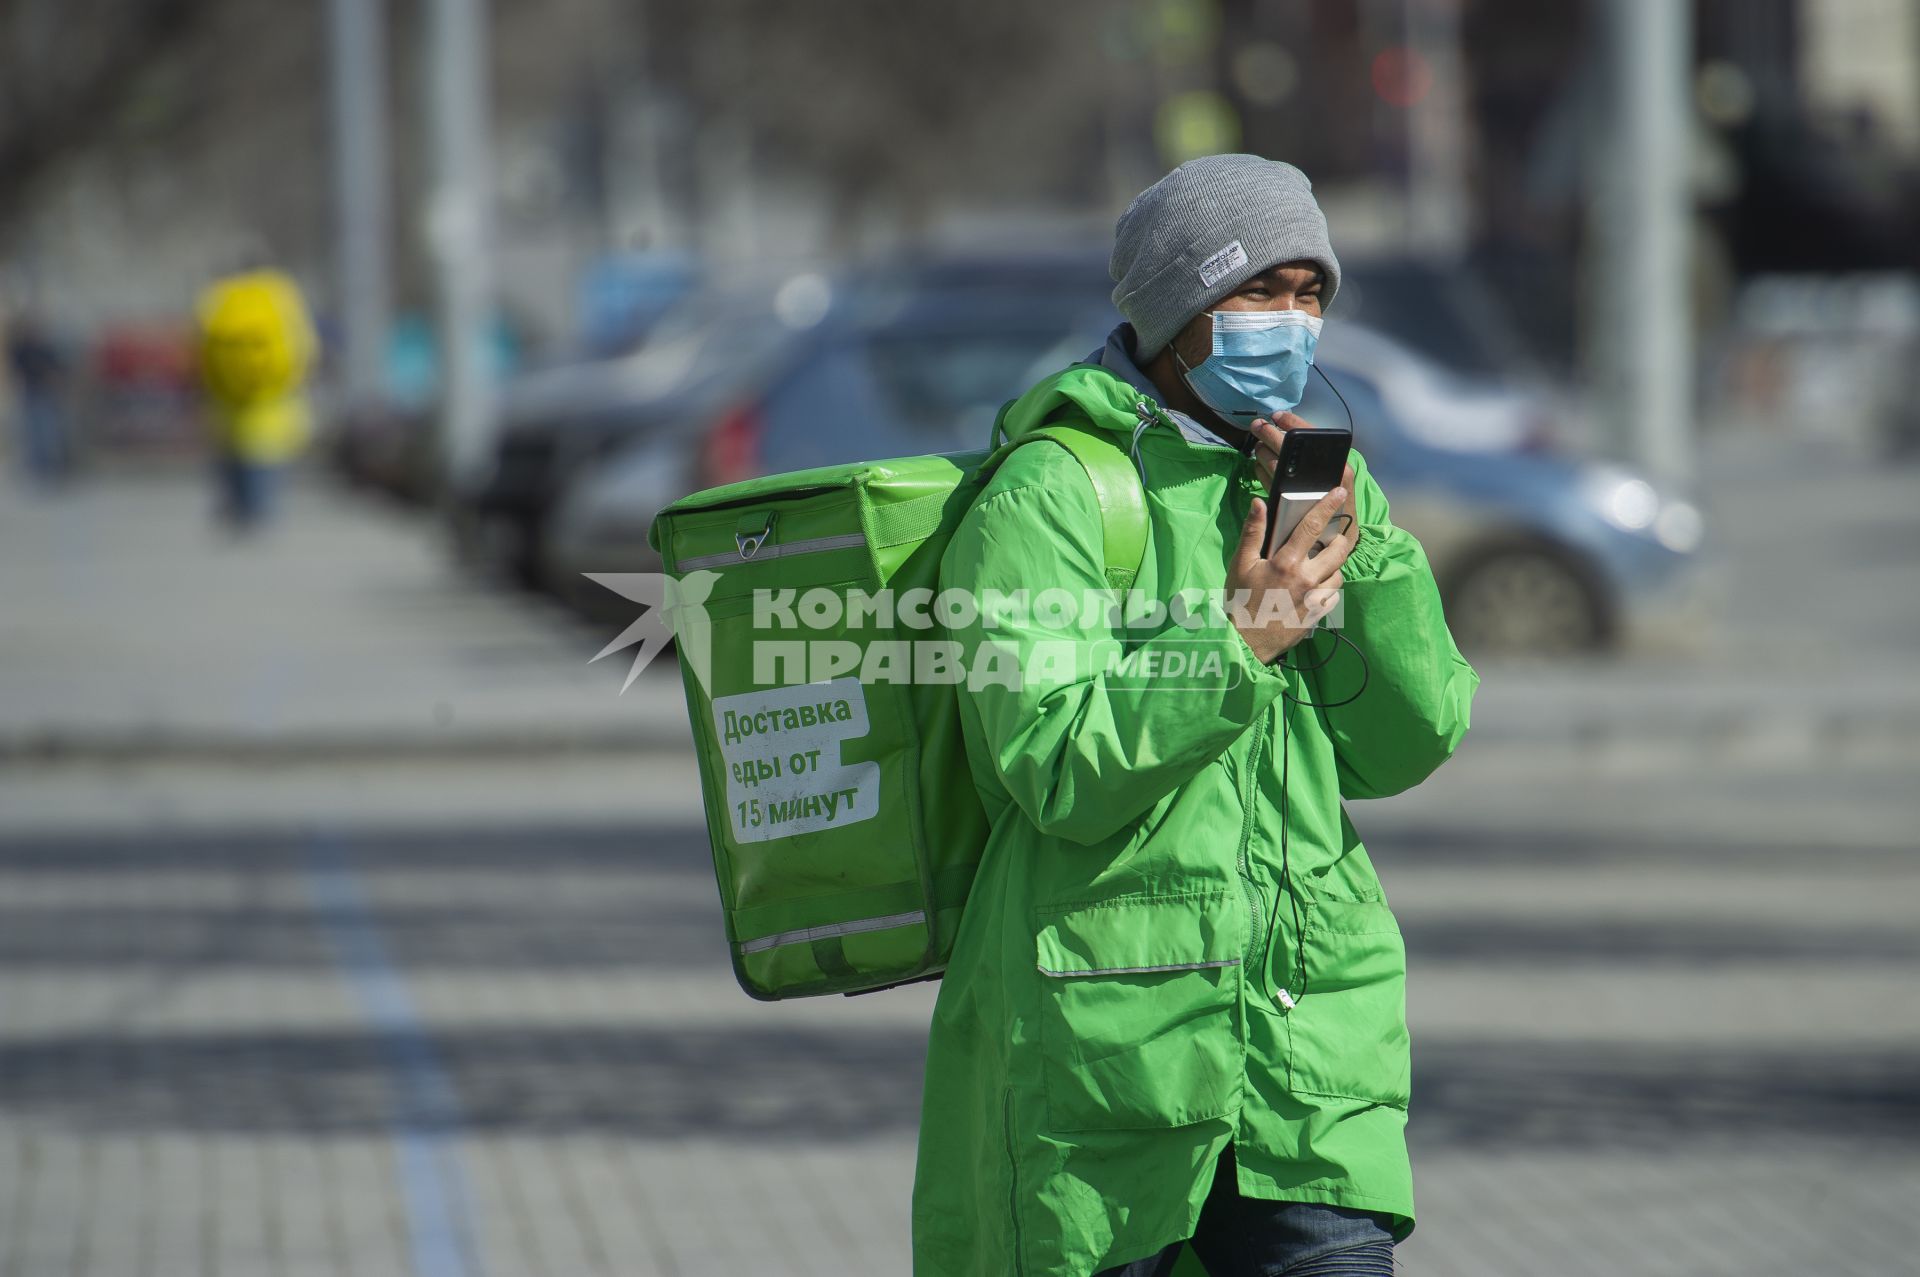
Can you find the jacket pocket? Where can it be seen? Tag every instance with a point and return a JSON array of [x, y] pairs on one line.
[[1349, 1032], [1139, 1011]]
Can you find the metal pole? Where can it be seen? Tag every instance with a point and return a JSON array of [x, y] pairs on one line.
[[1437, 133], [459, 230], [643, 213], [1645, 279], [357, 30]]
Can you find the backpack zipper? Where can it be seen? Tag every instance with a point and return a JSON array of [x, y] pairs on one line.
[[753, 551]]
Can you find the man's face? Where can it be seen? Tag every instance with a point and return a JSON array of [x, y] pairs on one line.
[[1288, 286]]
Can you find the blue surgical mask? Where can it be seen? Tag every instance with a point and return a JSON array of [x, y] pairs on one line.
[[1259, 363]]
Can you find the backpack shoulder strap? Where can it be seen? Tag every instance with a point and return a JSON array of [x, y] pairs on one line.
[[1116, 486]]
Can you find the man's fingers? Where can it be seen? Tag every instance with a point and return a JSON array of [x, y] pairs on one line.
[[1339, 548], [1324, 567], [1294, 421], [1252, 533], [1315, 522], [1266, 450], [1322, 599]]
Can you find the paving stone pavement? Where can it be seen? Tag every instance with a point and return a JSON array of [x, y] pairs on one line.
[[372, 1041], [467, 1011]]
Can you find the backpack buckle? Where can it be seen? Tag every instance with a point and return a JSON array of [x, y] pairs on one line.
[[750, 542]]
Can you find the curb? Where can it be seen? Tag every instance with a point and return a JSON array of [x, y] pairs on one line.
[[1714, 734], [53, 746]]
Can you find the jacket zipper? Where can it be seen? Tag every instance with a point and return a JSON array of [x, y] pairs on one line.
[[1250, 788], [1248, 794], [1013, 1190]]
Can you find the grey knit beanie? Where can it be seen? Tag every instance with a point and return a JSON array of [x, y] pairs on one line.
[[1203, 230]]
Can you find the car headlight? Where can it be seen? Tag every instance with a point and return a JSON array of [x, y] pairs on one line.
[[1632, 504], [1679, 527]]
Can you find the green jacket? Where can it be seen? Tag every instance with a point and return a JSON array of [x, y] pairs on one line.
[[1109, 1019]]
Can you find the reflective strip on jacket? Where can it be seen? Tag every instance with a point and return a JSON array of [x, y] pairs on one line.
[[1109, 1019]]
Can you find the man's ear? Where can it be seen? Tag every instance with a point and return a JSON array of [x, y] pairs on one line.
[[1194, 341]]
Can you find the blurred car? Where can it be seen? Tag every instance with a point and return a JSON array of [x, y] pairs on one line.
[[621, 296], [388, 447], [555, 422], [141, 391], [911, 350], [778, 376], [1439, 309], [1536, 551]]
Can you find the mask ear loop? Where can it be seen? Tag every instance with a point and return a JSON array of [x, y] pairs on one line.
[[1330, 386], [1244, 442]]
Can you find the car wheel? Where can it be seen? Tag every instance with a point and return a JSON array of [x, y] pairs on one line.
[[1528, 600]]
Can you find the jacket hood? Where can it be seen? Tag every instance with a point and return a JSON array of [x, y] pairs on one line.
[[1108, 401]]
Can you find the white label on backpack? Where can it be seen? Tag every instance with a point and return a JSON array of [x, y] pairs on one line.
[[782, 752], [1222, 264]]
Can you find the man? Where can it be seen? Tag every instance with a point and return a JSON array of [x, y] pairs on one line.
[[256, 346], [39, 371], [1175, 1008]]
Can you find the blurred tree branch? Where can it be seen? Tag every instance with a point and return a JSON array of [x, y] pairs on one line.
[[883, 99], [69, 70]]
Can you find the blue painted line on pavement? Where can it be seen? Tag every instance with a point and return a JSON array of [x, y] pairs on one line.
[[427, 1119]]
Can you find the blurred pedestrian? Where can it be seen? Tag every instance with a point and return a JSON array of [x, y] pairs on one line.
[[256, 346], [1174, 1011], [38, 367]]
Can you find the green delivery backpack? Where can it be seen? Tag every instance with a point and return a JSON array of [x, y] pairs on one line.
[[840, 807]]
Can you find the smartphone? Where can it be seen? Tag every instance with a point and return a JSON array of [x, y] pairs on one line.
[[1312, 462]]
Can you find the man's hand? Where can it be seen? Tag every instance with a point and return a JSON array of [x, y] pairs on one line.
[[1310, 582], [1266, 448]]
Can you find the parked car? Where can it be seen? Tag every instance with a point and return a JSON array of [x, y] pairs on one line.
[[915, 388], [554, 422], [388, 447], [1535, 550], [902, 356]]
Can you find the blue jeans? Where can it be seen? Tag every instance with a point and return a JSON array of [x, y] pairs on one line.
[[44, 431], [1245, 1237], [249, 490]]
